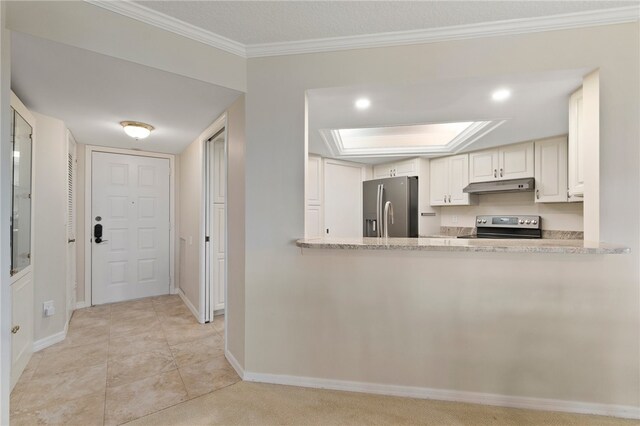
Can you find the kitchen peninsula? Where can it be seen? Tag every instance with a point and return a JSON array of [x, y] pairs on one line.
[[450, 244]]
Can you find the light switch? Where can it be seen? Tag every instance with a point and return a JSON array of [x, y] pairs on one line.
[[48, 308]]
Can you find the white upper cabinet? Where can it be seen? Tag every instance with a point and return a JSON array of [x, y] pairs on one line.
[[448, 177], [576, 147], [439, 181], [516, 161], [507, 162], [551, 170], [458, 180], [399, 168], [483, 165]]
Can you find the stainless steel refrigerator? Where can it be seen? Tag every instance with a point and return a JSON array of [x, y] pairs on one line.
[[390, 207]]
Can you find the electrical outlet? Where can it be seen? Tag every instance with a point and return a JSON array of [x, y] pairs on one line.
[[48, 308], [454, 219]]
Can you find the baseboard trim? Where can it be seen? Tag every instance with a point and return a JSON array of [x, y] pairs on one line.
[[234, 363], [81, 305], [449, 395], [44, 343], [186, 301]]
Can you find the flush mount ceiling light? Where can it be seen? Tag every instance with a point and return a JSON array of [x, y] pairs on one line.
[[363, 103], [501, 95], [136, 129]]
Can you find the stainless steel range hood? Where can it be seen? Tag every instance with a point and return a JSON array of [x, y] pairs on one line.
[[511, 185]]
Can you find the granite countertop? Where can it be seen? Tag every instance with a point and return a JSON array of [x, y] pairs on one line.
[[463, 244]]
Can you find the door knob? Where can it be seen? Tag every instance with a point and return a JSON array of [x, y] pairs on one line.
[[15, 329]]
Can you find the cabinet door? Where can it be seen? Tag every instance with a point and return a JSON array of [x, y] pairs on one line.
[[483, 166], [314, 181], [342, 198], [313, 222], [458, 180], [516, 161], [22, 320], [551, 170], [576, 151], [382, 171], [439, 181], [406, 168]]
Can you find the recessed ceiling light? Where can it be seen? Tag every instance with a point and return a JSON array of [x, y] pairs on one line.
[[501, 95], [363, 103], [136, 130]]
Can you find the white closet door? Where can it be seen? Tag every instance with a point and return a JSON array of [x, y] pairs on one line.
[[130, 197]]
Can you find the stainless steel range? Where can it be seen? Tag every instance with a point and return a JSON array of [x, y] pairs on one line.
[[507, 227]]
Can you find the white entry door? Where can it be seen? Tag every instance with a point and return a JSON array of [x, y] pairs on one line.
[[130, 201]]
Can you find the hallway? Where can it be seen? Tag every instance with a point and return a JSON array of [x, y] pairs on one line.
[[120, 362]]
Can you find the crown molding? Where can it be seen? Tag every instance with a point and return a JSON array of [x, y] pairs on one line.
[[476, 130], [160, 20], [460, 32]]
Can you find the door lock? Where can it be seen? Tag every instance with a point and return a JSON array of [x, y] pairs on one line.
[[97, 233]]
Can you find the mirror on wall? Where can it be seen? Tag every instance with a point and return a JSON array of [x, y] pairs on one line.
[[21, 139]]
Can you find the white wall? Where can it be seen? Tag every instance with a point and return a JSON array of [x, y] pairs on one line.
[[50, 224], [84, 25], [555, 216], [190, 224], [5, 215], [235, 300], [549, 326]]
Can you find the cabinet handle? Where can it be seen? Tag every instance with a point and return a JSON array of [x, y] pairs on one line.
[[495, 173], [449, 198], [500, 172], [15, 329], [537, 194], [445, 199]]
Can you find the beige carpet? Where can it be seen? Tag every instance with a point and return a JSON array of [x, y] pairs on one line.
[[246, 403]]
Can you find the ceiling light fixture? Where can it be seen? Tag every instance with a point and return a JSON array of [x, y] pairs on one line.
[[363, 103], [136, 129], [501, 95]]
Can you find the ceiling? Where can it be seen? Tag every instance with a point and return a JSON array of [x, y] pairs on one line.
[[93, 93], [537, 108], [263, 22]]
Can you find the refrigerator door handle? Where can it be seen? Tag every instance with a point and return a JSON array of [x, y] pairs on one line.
[[378, 212], [388, 214]]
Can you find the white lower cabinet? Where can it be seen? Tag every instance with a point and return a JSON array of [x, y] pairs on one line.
[[551, 170], [22, 325], [448, 177]]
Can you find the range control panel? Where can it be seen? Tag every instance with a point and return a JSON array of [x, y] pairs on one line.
[[530, 222]]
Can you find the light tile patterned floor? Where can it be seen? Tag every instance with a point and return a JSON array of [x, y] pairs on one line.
[[120, 362]]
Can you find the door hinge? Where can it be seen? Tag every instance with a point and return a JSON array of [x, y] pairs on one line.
[[206, 239]]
